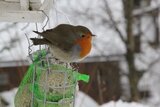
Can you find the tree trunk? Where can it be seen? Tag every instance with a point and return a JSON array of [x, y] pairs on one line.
[[133, 76], [130, 45], [156, 26]]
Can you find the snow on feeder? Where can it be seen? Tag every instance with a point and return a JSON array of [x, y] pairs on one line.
[[48, 85], [24, 10]]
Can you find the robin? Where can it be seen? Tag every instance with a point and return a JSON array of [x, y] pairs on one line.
[[67, 43]]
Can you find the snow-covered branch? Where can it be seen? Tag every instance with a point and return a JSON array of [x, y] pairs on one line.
[[144, 10]]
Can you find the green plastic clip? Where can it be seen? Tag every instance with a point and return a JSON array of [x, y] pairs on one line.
[[83, 77]]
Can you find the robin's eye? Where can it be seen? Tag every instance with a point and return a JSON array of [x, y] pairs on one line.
[[83, 36]]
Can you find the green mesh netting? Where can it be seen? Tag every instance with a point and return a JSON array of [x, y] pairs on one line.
[[60, 88]]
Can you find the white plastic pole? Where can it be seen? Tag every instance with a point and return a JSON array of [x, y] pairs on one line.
[[24, 4]]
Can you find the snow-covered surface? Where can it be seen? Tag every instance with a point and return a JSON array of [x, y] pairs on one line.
[[145, 9], [150, 81], [8, 96], [82, 100], [123, 104]]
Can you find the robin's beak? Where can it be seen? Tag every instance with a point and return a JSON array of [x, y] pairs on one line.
[[93, 35]]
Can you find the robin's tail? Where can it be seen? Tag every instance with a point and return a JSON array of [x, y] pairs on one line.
[[39, 33], [37, 41]]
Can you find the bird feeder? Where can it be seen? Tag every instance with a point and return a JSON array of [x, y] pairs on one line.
[[48, 84], [24, 10]]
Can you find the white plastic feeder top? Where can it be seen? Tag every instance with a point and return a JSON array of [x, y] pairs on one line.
[[24, 10]]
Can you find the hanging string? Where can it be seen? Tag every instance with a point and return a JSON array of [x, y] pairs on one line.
[[48, 64], [46, 21], [29, 48], [24, 27]]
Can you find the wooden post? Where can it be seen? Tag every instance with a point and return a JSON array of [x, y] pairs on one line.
[[24, 10], [24, 4]]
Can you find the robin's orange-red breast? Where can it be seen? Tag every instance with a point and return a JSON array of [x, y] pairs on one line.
[[67, 43]]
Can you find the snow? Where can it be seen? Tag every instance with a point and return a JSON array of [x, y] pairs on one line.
[[8, 96], [123, 104], [82, 100], [145, 9], [150, 81]]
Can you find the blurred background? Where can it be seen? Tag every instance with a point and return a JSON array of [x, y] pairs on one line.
[[124, 65]]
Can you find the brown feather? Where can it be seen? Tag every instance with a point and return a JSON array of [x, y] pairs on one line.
[[62, 36], [37, 41]]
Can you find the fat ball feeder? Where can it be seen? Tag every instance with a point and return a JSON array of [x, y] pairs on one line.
[[56, 88]]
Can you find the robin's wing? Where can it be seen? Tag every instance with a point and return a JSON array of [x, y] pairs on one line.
[[62, 36], [39, 41]]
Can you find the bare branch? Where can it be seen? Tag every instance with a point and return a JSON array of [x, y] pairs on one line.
[[150, 64], [109, 12], [142, 11], [154, 62]]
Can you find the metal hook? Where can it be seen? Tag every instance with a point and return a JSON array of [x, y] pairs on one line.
[[46, 21]]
